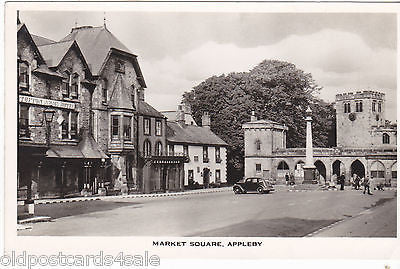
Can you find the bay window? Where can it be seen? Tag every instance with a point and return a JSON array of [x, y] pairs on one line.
[[127, 127], [115, 126]]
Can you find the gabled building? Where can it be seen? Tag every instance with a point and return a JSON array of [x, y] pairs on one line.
[[205, 152], [57, 155]]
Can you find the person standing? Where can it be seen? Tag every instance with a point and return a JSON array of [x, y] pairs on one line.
[[287, 178], [341, 180], [357, 182], [366, 184]]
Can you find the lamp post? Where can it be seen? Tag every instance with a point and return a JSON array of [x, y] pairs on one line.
[[48, 118]]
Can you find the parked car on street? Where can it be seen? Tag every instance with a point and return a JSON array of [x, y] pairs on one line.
[[250, 184]]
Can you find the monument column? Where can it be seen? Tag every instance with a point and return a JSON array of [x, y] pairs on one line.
[[309, 167]]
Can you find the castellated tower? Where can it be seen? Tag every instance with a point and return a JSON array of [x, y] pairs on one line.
[[358, 115]]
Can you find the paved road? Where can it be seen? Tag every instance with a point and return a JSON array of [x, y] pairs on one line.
[[287, 214]]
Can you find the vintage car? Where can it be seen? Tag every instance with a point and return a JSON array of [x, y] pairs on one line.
[[250, 184]]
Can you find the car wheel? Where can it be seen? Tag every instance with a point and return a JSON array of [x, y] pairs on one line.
[[260, 190], [266, 192], [237, 190]]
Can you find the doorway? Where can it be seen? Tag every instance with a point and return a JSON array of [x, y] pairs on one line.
[[206, 177]]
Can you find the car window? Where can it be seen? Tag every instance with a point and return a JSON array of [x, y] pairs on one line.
[[248, 180], [255, 180]]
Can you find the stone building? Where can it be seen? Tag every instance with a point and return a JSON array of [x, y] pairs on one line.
[[205, 152], [366, 144], [54, 157], [103, 134]]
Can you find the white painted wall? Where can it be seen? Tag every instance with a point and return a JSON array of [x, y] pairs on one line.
[[198, 166]]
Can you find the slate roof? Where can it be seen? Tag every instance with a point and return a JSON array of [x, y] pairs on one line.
[[147, 110], [53, 53], [95, 43], [192, 134], [40, 40], [87, 149]]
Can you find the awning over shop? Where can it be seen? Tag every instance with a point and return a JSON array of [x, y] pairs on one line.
[[86, 149], [66, 151]]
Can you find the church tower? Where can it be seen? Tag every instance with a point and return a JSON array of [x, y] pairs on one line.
[[357, 116]]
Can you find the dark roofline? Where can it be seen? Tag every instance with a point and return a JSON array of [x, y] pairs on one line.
[[198, 143], [23, 26]]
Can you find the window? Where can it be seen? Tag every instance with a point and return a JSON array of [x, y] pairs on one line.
[[74, 125], [146, 127], [347, 108], [23, 124], [115, 126], [218, 176], [196, 158], [218, 155], [127, 127], [359, 107], [104, 91], [159, 149], [23, 76], [171, 150], [65, 125], [379, 107], [158, 128], [74, 86], [205, 154], [120, 67], [147, 148], [65, 88], [386, 138], [258, 144], [186, 150], [373, 106], [258, 167]]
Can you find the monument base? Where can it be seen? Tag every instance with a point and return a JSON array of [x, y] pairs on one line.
[[309, 175]]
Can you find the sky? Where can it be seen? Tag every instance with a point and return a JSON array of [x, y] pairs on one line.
[[344, 52]]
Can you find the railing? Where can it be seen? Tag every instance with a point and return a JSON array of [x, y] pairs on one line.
[[337, 151]]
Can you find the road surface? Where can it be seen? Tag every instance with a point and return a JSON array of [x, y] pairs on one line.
[[280, 214]]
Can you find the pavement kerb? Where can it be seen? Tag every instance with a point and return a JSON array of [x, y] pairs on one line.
[[83, 199]]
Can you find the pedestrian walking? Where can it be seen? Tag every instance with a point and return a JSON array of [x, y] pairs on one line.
[[366, 184]]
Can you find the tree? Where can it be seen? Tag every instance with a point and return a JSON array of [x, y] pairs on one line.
[[276, 91]]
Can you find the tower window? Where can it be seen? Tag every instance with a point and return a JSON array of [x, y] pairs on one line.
[[347, 108], [258, 167], [373, 106], [359, 107], [379, 107], [386, 138]]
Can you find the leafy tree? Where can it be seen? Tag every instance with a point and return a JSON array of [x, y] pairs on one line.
[[276, 91]]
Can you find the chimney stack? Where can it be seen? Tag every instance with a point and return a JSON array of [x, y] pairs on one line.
[[180, 115], [253, 116], [205, 120]]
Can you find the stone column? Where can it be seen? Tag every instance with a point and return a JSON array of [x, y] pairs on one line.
[[309, 167]]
